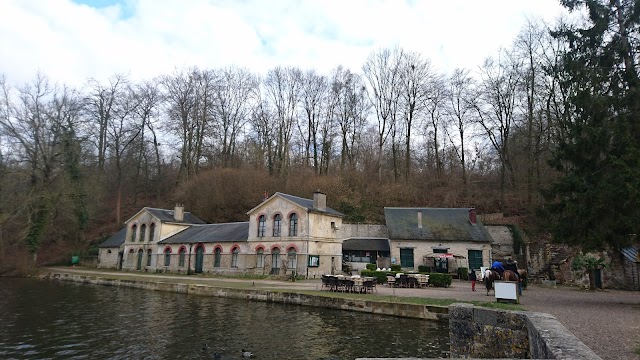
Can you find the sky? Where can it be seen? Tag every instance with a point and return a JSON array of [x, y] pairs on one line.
[[73, 40]]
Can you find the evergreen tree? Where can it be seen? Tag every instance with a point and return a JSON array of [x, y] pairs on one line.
[[596, 201]]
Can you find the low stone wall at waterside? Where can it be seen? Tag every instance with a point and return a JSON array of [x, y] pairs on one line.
[[487, 333], [374, 307]]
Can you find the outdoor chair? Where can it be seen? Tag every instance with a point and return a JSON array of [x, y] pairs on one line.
[[326, 284], [391, 280], [370, 285], [349, 285], [403, 280]]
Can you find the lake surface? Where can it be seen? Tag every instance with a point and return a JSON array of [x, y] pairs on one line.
[[42, 319]]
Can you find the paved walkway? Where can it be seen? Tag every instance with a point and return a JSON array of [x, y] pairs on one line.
[[607, 321]]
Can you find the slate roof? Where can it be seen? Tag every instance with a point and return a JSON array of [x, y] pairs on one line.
[[167, 216], [438, 224], [229, 232], [115, 240], [366, 244], [308, 203]]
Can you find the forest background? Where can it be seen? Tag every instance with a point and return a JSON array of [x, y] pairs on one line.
[[544, 131]]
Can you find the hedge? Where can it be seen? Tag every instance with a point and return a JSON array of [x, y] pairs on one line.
[[439, 280], [371, 267], [381, 276]]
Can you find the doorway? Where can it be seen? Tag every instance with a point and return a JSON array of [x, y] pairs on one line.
[[139, 266], [199, 259]]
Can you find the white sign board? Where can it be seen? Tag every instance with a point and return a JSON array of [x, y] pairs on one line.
[[506, 290]]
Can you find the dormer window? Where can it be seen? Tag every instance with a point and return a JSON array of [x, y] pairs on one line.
[[262, 225], [277, 223]]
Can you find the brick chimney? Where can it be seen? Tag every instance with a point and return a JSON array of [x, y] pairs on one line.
[[420, 219], [472, 216], [178, 213], [319, 200]]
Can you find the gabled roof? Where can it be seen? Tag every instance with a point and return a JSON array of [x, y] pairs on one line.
[[165, 215], [305, 203], [229, 232], [366, 244], [438, 224], [115, 240]]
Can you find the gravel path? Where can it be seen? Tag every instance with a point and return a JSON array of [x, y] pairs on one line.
[[607, 321]]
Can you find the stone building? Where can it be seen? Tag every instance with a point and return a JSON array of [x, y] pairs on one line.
[[288, 235]]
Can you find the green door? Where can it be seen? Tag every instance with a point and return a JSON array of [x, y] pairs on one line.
[[139, 260], [406, 258], [199, 259], [475, 259]]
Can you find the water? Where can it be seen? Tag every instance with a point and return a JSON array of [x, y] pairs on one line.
[[58, 320]]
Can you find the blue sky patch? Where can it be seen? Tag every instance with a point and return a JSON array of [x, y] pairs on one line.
[[125, 5]]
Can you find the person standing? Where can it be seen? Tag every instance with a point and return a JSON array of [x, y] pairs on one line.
[[473, 278]]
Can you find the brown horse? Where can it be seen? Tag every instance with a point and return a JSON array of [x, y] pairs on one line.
[[491, 275], [509, 275]]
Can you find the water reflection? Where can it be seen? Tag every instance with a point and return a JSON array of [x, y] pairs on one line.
[[50, 320]]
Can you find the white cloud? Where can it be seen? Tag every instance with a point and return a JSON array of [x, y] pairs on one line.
[[71, 42]]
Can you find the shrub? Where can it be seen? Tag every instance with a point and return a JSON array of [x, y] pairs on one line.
[[396, 268], [371, 267], [381, 276], [439, 280], [424, 268]]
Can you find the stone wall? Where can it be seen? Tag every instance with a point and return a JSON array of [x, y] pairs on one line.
[[487, 333]]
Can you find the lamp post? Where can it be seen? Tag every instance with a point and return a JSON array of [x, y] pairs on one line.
[[189, 261]]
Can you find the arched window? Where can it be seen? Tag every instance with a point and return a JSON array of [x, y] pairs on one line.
[[181, 256], [275, 261], [152, 231], [262, 224], [134, 229], [217, 256], [167, 256], [293, 224], [234, 257], [143, 230], [277, 223], [149, 257], [260, 258], [292, 259]]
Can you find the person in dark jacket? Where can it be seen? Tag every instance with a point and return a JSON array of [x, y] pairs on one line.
[[513, 266], [473, 277]]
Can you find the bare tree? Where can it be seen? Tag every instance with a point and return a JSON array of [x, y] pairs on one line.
[[434, 104], [100, 101], [282, 90], [313, 94], [417, 77], [348, 106], [460, 109], [382, 71], [496, 108], [35, 121], [235, 94]]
